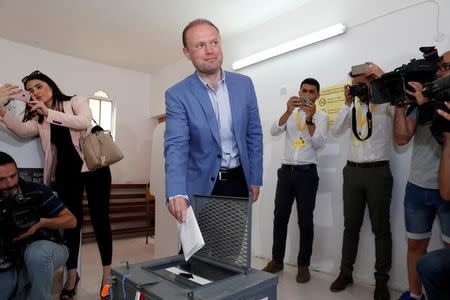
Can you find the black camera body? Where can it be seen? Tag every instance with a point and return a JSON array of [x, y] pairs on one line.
[[17, 214], [437, 92], [359, 89], [392, 86]]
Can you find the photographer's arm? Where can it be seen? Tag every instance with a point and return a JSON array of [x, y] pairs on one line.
[[404, 127], [64, 219], [290, 105], [444, 168], [343, 117]]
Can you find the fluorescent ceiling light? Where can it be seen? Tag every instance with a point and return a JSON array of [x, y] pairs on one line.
[[303, 41]]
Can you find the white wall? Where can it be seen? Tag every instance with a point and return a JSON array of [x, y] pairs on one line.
[[390, 41], [130, 90]]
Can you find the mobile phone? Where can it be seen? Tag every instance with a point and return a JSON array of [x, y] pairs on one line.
[[304, 101], [359, 69], [24, 96]]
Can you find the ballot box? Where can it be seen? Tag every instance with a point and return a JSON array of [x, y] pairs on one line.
[[220, 270]]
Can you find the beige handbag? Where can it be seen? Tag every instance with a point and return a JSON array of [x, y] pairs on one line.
[[99, 149]]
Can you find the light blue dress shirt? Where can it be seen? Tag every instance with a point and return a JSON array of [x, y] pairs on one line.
[[221, 104]]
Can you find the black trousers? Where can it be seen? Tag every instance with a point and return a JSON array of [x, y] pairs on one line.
[[371, 187], [98, 188], [301, 184], [233, 187]]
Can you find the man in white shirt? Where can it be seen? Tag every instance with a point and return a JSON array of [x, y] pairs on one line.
[[306, 132], [367, 178]]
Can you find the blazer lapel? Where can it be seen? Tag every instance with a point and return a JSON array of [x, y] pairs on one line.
[[235, 104], [201, 94]]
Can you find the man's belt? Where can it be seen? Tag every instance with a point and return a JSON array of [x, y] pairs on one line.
[[371, 164], [229, 174], [298, 167]]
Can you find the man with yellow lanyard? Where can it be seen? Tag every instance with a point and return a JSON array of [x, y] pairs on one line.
[[306, 132], [367, 178]]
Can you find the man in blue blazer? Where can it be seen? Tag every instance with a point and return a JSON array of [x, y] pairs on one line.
[[213, 138]]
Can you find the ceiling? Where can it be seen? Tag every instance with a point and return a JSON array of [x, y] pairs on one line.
[[141, 35]]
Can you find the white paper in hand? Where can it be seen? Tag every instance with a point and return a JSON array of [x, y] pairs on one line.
[[190, 236]]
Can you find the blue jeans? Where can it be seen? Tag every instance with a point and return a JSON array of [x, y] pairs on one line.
[[35, 274], [421, 207], [434, 270]]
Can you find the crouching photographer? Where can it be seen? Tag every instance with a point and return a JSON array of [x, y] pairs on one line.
[[31, 247], [423, 200]]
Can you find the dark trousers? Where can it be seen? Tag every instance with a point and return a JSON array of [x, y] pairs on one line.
[[98, 188], [300, 183], [70, 191], [371, 186], [233, 187]]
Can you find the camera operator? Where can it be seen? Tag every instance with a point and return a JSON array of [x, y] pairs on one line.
[[43, 249], [434, 267], [367, 178], [422, 198]]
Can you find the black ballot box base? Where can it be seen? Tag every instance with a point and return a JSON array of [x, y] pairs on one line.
[[171, 278]]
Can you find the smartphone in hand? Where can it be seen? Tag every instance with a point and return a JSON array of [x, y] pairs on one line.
[[304, 101], [24, 96]]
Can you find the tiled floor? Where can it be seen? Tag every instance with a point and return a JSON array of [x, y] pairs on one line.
[[135, 250]]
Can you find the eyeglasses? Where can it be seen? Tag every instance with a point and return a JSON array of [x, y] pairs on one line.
[[444, 67], [34, 73]]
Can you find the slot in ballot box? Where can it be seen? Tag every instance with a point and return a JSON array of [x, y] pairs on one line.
[[220, 270]]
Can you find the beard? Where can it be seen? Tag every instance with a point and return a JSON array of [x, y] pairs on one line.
[[9, 193]]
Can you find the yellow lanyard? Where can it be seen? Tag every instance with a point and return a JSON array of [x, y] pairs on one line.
[[299, 126], [363, 121], [299, 142]]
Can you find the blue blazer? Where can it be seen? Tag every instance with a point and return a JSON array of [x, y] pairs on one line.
[[192, 146]]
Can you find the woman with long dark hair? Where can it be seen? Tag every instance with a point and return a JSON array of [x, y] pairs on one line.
[[60, 121]]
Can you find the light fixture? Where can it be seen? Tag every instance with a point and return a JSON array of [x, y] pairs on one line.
[[303, 41]]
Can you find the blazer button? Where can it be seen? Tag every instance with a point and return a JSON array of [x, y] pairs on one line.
[[212, 178]]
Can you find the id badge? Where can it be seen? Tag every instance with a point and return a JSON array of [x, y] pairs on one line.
[[299, 143]]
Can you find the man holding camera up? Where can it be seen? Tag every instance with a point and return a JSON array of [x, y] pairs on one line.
[[306, 132], [422, 198], [367, 177], [40, 250]]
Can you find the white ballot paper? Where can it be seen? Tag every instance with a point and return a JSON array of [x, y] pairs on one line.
[[190, 236]]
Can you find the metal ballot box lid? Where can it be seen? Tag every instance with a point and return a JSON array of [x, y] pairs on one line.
[[225, 223]]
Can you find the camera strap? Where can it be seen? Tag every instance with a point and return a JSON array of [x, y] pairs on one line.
[[369, 123]]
